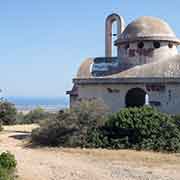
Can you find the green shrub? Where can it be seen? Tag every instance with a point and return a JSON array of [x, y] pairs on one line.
[[56, 131], [4, 174], [7, 160], [88, 125], [7, 112], [177, 120], [1, 128], [7, 166], [34, 116], [142, 128], [20, 118], [70, 127]]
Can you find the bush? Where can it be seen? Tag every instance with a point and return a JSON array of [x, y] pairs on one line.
[[20, 118], [7, 166], [55, 132], [7, 160], [142, 128], [7, 113], [87, 125], [5, 175], [177, 120], [1, 128], [71, 127], [34, 116]]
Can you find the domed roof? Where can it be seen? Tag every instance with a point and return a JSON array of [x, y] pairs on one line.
[[84, 70], [169, 68], [147, 28]]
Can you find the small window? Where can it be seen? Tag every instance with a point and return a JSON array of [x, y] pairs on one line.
[[156, 44], [140, 45], [127, 46], [170, 45], [155, 103]]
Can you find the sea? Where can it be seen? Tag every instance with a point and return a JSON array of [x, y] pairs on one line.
[[30, 103]]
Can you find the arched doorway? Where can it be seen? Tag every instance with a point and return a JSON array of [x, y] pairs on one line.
[[135, 97]]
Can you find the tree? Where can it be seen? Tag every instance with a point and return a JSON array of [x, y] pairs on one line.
[[7, 112]]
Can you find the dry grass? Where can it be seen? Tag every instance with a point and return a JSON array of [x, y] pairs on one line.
[[21, 128], [134, 157], [141, 157], [76, 163]]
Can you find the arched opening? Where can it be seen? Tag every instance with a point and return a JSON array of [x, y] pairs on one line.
[[156, 44], [113, 21], [114, 37], [140, 45], [135, 97]]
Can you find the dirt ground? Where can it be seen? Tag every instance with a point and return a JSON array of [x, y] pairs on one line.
[[82, 164]]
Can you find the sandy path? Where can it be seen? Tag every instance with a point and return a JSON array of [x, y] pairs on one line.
[[76, 164]]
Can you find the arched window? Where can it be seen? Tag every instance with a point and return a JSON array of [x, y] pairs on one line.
[[127, 46], [140, 45], [156, 44], [135, 97], [170, 45]]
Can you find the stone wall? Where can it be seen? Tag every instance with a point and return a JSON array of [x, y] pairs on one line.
[[164, 96], [136, 56]]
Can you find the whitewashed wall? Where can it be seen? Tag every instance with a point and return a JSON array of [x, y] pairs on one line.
[[169, 98], [147, 54]]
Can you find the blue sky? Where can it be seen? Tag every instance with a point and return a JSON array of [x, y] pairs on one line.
[[42, 42]]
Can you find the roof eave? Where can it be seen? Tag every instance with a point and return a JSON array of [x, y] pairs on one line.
[[147, 38], [129, 80]]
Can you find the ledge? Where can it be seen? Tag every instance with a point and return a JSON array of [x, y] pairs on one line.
[[127, 80]]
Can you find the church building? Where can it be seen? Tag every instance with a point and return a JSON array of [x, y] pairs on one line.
[[146, 69]]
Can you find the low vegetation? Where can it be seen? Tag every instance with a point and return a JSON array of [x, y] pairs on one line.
[[90, 125], [7, 113], [72, 126], [34, 116], [7, 166], [10, 116], [142, 128], [1, 128]]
